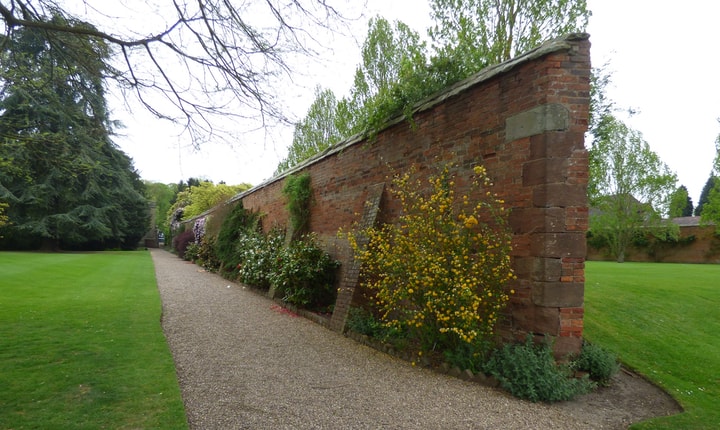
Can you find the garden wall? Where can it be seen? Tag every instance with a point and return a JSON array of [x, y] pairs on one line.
[[525, 121], [697, 243]]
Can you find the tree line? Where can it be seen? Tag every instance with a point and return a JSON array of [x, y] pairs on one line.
[[631, 191], [398, 68], [63, 182]]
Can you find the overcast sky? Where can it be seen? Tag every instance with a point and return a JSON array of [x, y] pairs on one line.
[[663, 60]]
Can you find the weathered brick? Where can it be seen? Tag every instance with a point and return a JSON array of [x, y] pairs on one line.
[[526, 125], [545, 171], [559, 294], [560, 194], [546, 269], [558, 245], [538, 220]]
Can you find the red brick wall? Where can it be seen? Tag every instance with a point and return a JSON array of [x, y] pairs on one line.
[[705, 248], [524, 120]]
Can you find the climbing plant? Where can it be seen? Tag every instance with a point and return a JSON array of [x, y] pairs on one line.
[[298, 193]]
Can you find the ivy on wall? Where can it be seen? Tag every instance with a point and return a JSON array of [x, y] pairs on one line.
[[298, 193]]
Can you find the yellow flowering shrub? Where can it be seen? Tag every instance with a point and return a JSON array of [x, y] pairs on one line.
[[439, 274]]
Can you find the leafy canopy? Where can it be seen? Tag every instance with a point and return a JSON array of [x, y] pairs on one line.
[[681, 204], [65, 181], [710, 212], [397, 70], [630, 187], [319, 130], [199, 198], [470, 34]]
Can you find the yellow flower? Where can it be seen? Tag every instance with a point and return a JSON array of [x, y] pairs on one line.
[[470, 221]]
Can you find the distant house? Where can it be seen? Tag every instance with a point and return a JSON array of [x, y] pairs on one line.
[[627, 203], [689, 221]]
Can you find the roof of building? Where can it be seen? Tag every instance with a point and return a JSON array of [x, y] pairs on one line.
[[687, 221]]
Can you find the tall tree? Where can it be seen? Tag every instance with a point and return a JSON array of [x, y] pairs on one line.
[[630, 187], [391, 76], [317, 131], [163, 196], [472, 34], [208, 195], [4, 220], [197, 199], [191, 61], [680, 203], [705, 193], [396, 71], [68, 183], [710, 212]]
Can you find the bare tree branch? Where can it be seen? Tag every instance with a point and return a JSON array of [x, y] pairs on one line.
[[207, 63]]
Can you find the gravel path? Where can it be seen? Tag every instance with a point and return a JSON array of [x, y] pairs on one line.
[[244, 363]]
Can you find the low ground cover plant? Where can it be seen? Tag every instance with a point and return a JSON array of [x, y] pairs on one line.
[[81, 346], [529, 371], [600, 364]]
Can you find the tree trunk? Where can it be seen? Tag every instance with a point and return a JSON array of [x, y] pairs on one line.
[[621, 256]]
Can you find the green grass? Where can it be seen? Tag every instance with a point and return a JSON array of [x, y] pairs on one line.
[[663, 320], [81, 345]]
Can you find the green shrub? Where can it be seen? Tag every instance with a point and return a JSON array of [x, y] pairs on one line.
[[191, 252], [364, 322], [470, 356], [238, 223], [600, 364], [305, 274], [206, 255], [258, 257], [529, 371]]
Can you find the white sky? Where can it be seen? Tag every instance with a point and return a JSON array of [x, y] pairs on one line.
[[663, 56]]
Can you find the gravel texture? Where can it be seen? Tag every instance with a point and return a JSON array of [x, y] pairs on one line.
[[245, 363]]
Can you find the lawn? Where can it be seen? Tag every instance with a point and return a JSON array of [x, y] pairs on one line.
[[81, 345], [663, 320]]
